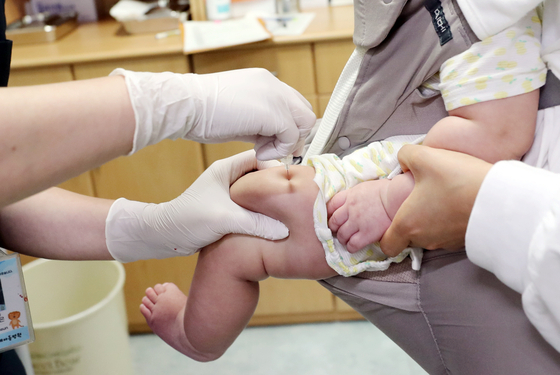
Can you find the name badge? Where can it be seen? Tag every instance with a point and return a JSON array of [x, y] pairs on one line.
[[15, 319]]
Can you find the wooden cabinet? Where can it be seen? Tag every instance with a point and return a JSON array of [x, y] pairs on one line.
[[176, 63], [330, 59], [40, 75], [161, 172]]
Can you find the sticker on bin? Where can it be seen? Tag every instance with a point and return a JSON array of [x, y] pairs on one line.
[[15, 320]]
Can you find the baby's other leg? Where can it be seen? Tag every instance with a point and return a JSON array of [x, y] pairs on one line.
[[163, 308], [224, 292], [222, 299]]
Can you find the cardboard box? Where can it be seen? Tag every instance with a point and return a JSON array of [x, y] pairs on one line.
[[86, 9]]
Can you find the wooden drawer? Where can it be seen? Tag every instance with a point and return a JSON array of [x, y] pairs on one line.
[[330, 59], [291, 64], [40, 76], [171, 63], [155, 174]]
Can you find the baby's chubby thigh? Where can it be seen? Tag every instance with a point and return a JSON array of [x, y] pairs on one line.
[[288, 197], [300, 256]]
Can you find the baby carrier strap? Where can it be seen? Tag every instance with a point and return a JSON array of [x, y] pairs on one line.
[[406, 49]]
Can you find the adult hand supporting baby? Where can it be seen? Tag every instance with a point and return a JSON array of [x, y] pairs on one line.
[[203, 214], [436, 213], [248, 105]]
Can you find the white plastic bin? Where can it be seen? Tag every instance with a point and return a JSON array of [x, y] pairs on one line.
[[79, 316]]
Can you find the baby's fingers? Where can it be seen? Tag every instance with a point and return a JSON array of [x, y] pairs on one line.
[[338, 219], [357, 242], [336, 202], [337, 212], [346, 231]]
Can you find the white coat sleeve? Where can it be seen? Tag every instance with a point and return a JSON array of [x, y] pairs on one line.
[[514, 232]]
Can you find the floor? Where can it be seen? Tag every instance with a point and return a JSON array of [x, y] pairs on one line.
[[305, 349]]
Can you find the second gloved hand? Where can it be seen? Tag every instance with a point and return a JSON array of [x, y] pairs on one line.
[[203, 214], [248, 105]]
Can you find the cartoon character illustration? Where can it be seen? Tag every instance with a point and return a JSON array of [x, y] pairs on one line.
[[14, 319]]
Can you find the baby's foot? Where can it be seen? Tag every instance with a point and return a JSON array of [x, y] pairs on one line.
[[164, 308]]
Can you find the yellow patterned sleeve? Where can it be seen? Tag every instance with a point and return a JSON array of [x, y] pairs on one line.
[[506, 64]]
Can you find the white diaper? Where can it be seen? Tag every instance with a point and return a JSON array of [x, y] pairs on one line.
[[332, 175]]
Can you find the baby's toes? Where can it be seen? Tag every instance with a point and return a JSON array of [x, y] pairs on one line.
[[148, 303], [151, 295], [145, 310], [159, 289]]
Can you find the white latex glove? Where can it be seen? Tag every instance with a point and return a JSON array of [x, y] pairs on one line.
[[198, 217], [248, 105]]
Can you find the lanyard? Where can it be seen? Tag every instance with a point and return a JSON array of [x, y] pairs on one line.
[[15, 319]]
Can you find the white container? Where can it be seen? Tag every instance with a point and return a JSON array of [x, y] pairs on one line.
[[79, 317], [218, 9]]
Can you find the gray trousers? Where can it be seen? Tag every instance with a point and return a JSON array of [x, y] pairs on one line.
[[451, 317]]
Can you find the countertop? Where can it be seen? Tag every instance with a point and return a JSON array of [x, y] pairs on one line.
[[105, 40]]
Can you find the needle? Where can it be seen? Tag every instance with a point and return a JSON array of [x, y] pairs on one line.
[[287, 161]]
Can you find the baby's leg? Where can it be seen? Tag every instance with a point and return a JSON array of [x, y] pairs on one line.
[[164, 308], [223, 296]]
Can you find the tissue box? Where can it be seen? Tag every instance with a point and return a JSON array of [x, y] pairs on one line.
[[86, 9]]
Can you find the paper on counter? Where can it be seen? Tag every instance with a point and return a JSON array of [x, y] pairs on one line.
[[207, 35]]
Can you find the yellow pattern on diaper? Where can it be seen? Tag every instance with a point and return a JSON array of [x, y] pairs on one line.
[[357, 166], [520, 47], [504, 65], [500, 51], [472, 71], [452, 75], [471, 58], [319, 215]]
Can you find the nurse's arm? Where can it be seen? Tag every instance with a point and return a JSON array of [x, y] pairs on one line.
[[50, 133], [56, 224]]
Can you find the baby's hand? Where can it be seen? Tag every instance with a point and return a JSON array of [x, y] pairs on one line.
[[358, 215]]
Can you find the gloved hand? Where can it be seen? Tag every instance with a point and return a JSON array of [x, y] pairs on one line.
[[198, 217], [244, 105]]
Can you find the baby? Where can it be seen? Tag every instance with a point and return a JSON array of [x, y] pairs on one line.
[[225, 287]]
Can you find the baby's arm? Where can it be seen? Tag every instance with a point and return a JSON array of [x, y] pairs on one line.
[[496, 130], [508, 66]]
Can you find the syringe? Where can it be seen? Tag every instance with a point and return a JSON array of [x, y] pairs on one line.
[[287, 161]]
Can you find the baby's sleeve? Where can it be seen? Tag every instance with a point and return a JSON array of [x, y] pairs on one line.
[[506, 64]]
